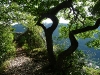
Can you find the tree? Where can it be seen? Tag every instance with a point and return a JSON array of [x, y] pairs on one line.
[[79, 22], [48, 32]]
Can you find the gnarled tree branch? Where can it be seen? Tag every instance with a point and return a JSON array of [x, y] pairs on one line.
[[48, 32], [74, 43]]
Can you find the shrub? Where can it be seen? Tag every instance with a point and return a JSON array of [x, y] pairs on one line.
[[7, 47], [31, 39]]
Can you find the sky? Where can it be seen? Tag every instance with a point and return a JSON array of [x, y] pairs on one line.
[[61, 20]]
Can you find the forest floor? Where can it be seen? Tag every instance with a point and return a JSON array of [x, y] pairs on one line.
[[24, 64]]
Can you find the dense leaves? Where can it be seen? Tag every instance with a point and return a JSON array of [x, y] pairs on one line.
[[94, 43], [96, 8], [7, 47]]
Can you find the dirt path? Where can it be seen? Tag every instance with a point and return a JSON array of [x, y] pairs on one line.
[[24, 65]]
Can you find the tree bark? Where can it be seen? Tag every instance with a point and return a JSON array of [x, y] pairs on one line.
[[51, 55]]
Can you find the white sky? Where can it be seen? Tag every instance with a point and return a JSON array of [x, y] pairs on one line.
[[14, 23], [61, 20]]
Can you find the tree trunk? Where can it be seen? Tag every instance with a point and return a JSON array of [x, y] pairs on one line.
[[48, 31], [51, 56], [62, 56]]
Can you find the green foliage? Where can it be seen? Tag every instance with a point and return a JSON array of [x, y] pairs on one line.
[[32, 38], [94, 43], [7, 47], [96, 8], [64, 32], [73, 64], [91, 71], [37, 7], [12, 13]]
